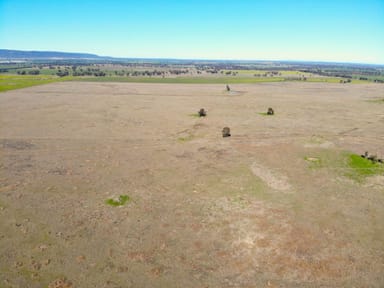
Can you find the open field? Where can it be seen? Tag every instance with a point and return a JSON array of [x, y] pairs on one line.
[[211, 80], [12, 82], [33, 72], [121, 185]]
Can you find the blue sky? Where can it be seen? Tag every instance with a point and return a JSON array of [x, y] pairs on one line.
[[318, 30]]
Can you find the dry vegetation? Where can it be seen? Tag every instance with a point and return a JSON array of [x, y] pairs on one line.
[[273, 205]]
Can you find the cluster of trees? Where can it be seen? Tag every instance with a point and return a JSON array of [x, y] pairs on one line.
[[221, 66], [228, 72], [331, 74], [296, 79], [346, 72], [146, 73], [29, 72], [178, 71], [212, 71], [62, 73], [86, 72], [268, 73], [137, 73], [272, 73], [160, 68]]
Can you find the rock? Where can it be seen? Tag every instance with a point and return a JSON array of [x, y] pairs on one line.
[[226, 132]]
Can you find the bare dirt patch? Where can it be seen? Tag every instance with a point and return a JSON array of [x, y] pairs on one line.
[[273, 180]]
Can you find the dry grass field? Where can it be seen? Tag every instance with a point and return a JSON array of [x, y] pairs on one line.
[[274, 205]]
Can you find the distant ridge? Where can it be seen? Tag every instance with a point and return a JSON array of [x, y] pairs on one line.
[[9, 55], [18, 54]]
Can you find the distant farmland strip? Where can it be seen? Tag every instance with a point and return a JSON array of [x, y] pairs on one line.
[[184, 80], [11, 82], [209, 80]]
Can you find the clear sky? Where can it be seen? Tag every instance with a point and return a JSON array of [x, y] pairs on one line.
[[318, 30]]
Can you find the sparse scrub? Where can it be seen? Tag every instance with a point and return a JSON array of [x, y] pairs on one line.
[[202, 112]]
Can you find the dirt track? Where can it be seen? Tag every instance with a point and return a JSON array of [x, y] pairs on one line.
[[206, 211]]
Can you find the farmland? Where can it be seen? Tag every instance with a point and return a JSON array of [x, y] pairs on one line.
[[109, 183], [29, 73], [11, 82]]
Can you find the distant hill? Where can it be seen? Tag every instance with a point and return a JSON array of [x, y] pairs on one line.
[[17, 54]]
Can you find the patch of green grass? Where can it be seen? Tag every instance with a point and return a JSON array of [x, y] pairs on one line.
[[120, 202], [194, 115], [344, 163], [265, 114], [360, 168], [11, 82]]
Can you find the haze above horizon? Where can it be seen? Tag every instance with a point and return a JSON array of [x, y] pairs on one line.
[[334, 31]]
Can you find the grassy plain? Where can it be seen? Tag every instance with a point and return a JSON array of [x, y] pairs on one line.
[[11, 77], [274, 205], [11, 82]]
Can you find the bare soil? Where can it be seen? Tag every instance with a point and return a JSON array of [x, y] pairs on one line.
[[205, 211]]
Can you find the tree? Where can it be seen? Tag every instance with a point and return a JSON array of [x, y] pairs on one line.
[[34, 72], [61, 73]]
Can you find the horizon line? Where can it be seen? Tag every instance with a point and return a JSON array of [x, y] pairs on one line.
[[193, 59]]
